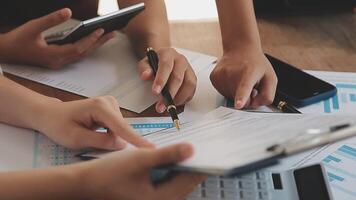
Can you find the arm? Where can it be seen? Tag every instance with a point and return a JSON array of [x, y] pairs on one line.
[[71, 124], [151, 29], [99, 179], [243, 73]]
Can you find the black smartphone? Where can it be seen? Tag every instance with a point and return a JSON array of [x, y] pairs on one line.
[[298, 87], [110, 22]]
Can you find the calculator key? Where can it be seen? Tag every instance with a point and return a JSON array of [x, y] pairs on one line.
[[262, 185], [230, 194], [261, 175], [213, 193]]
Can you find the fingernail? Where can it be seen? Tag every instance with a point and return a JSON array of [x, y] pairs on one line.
[[238, 104], [161, 108], [157, 89], [146, 73], [254, 93], [185, 151], [99, 32], [120, 144]]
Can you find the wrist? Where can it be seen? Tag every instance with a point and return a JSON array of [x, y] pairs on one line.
[[42, 111], [73, 176], [153, 40], [82, 174], [242, 44]]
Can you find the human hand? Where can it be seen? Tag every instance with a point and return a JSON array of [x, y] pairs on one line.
[[246, 76], [73, 124], [126, 175], [174, 71], [27, 45]]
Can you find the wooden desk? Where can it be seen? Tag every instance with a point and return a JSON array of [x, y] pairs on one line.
[[321, 42]]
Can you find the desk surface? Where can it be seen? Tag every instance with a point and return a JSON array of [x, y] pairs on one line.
[[318, 42]]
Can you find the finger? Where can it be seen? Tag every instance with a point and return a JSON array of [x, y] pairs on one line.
[[43, 23], [102, 40], [64, 54], [111, 117], [160, 106], [165, 67], [267, 90], [187, 90], [144, 70], [176, 78], [179, 186], [87, 42], [168, 155], [243, 91], [84, 138]]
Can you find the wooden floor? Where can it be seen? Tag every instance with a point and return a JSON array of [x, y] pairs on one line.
[[320, 42]]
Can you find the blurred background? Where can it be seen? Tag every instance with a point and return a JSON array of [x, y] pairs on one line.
[[175, 8]]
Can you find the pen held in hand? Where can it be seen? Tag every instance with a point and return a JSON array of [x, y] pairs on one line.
[[171, 108]]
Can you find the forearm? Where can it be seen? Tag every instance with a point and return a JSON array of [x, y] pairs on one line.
[[238, 24], [150, 28], [20, 106], [40, 184]]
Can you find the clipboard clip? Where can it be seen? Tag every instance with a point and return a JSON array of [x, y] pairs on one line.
[[313, 138]]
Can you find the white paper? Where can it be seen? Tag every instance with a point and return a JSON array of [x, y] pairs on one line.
[[206, 97], [227, 138], [16, 148], [111, 70], [346, 168]]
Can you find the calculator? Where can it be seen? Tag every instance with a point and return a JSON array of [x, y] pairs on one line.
[[307, 183]]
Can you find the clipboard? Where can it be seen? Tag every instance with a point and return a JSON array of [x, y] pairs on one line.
[[230, 142]]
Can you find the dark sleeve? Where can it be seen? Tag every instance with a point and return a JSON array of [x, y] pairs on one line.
[[16, 12]]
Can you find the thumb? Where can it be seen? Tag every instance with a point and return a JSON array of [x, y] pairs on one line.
[[43, 23], [168, 155]]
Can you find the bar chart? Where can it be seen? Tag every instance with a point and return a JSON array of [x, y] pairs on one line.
[[340, 166], [346, 97]]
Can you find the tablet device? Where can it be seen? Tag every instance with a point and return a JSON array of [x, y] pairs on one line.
[[110, 22]]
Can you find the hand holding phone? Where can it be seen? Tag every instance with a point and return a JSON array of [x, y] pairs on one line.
[[110, 22]]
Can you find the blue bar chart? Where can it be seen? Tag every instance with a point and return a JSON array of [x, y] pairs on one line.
[[345, 97], [340, 166]]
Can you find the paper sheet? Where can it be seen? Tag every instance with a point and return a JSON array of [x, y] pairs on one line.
[[224, 133], [340, 166], [22, 149], [112, 70]]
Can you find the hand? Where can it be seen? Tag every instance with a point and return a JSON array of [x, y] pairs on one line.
[[73, 124], [27, 45], [126, 175], [246, 76], [174, 71]]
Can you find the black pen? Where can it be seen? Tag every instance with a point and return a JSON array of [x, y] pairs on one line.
[[171, 108], [283, 105]]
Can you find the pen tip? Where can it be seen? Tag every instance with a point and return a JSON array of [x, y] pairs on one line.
[[149, 49], [177, 124]]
